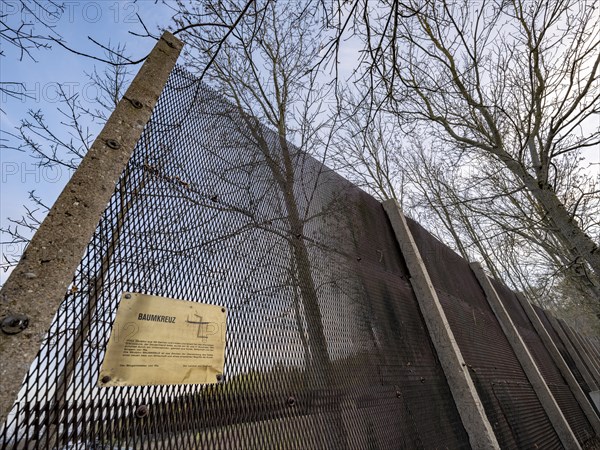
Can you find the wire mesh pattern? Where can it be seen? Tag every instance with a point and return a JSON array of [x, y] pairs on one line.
[[558, 386], [326, 347], [513, 409], [325, 343], [562, 349], [587, 346], [511, 404], [585, 349]]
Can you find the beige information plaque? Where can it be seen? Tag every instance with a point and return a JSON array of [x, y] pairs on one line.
[[159, 340]]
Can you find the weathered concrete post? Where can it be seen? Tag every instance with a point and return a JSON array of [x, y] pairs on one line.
[[578, 393], [33, 292], [587, 377], [585, 353], [593, 349], [588, 358], [468, 403], [557, 418]]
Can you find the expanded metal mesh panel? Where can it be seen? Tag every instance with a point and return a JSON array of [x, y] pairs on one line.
[[590, 349], [561, 348], [582, 350], [518, 403], [562, 393], [594, 347], [511, 405], [572, 412], [325, 344], [595, 340]]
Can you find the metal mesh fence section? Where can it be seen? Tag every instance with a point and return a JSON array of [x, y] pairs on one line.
[[590, 348], [581, 347], [326, 347], [564, 397], [594, 346], [561, 348], [514, 411], [595, 341]]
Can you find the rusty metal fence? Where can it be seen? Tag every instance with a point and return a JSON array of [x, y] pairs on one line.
[[326, 344]]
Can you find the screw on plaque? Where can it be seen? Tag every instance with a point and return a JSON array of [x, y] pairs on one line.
[[127, 296], [222, 309], [219, 378], [105, 379], [112, 143], [14, 323]]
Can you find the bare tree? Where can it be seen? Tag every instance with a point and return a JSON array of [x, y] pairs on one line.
[[467, 201], [514, 82], [368, 149], [490, 217], [26, 26], [263, 71], [61, 146]]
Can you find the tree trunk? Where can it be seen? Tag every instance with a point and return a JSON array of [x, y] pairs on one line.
[[320, 370], [320, 362], [580, 244]]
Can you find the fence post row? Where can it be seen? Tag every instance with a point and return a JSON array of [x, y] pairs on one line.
[[32, 294], [593, 345], [468, 403], [587, 377], [578, 393], [542, 391], [579, 343]]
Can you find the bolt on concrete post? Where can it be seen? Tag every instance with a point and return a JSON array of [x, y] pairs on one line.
[[578, 393], [464, 393], [542, 391], [32, 294]]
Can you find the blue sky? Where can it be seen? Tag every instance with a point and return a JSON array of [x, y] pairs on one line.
[[106, 21]]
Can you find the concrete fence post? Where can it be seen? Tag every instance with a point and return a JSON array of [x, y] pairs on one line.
[[560, 424], [587, 377], [593, 349], [32, 294], [580, 344], [578, 393], [468, 403]]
